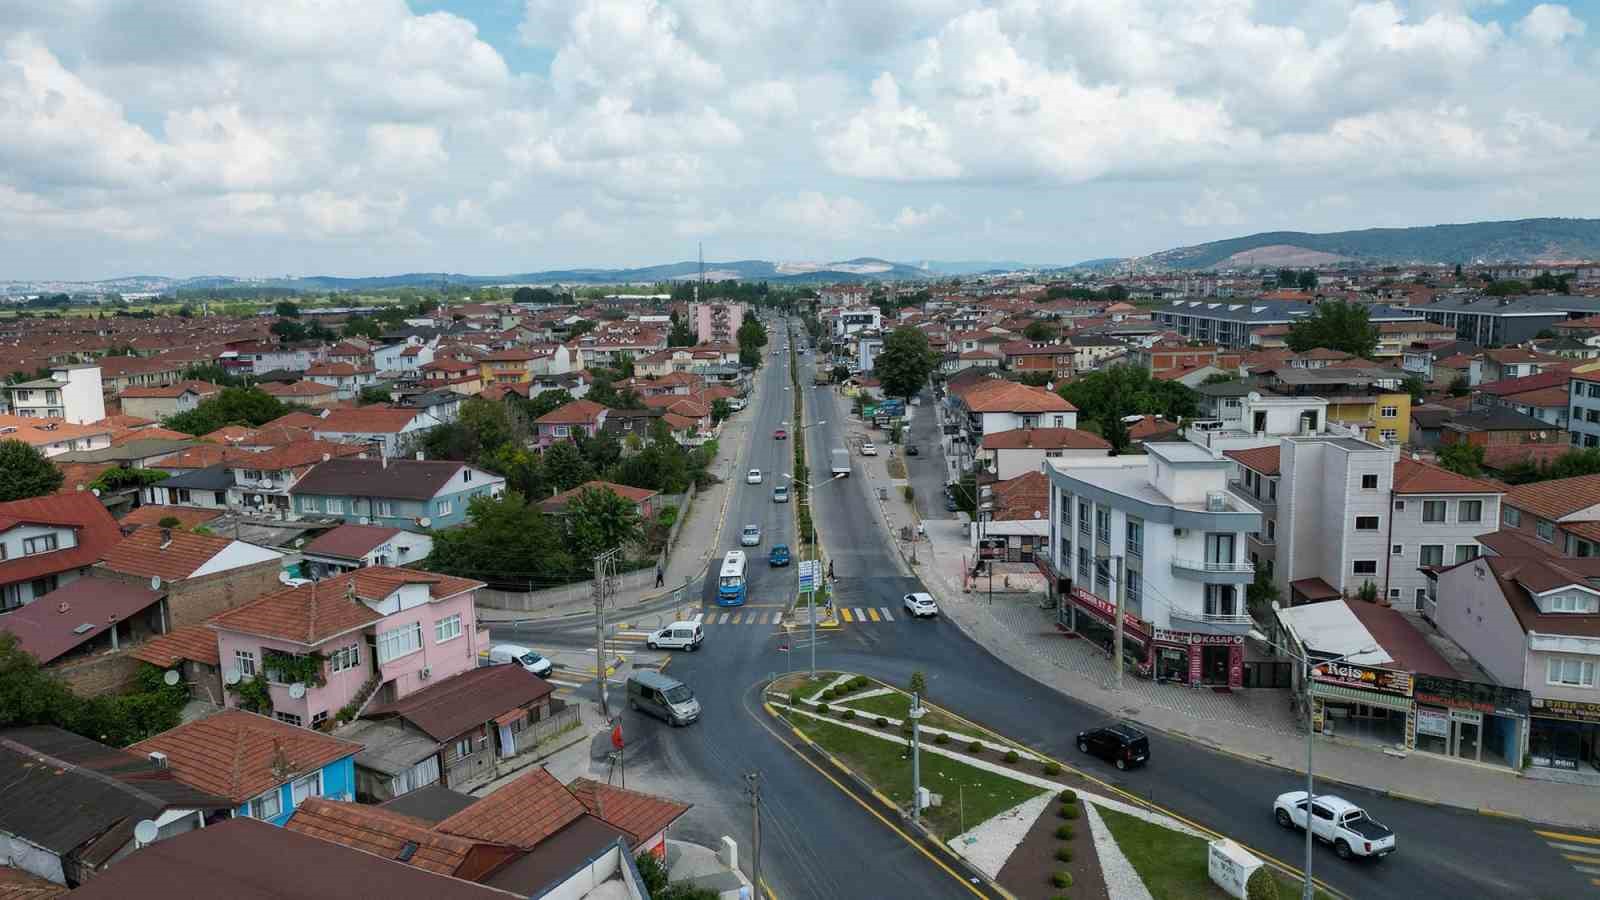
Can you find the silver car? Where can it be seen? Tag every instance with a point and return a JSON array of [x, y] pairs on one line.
[[751, 536]]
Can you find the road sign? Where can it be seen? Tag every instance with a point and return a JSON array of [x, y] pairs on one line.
[[810, 574]]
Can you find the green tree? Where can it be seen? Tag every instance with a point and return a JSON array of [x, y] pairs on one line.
[[752, 337], [249, 407], [680, 335], [522, 469], [286, 310], [504, 540], [1036, 378], [1221, 378], [838, 374], [363, 327], [1462, 458], [1336, 325], [1261, 594], [378, 393], [564, 467], [1288, 278], [213, 373], [1460, 387], [1571, 464], [1507, 288], [906, 361], [918, 684], [24, 472], [1307, 280], [546, 402], [623, 365], [720, 410], [1416, 387], [1040, 330], [1546, 281], [1106, 396], [600, 520], [480, 429]]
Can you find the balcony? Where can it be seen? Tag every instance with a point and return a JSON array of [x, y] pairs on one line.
[[1214, 572], [1211, 622]]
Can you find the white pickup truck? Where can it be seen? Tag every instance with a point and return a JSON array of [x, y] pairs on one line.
[[1336, 821]]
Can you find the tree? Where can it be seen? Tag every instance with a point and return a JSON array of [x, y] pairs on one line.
[[480, 429], [24, 472], [752, 337], [1568, 465], [623, 365], [1336, 325], [1116, 293], [1288, 278], [1261, 594], [1507, 288], [918, 684], [1460, 387], [1416, 387], [680, 335], [565, 467], [522, 469], [1546, 281], [1105, 396], [720, 410], [838, 374], [1036, 378], [1462, 458], [504, 540], [286, 310], [1458, 271], [1307, 280], [1040, 330], [249, 407], [546, 402], [600, 520], [361, 326], [186, 311], [1221, 378], [906, 361], [213, 373], [30, 695], [378, 393]]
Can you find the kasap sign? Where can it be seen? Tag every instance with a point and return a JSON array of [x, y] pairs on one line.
[[1231, 866]]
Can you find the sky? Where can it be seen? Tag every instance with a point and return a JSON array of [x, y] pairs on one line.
[[360, 137]]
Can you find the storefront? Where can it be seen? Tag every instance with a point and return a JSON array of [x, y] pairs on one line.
[[1092, 617], [1192, 658], [1362, 702], [1470, 720], [1564, 734]]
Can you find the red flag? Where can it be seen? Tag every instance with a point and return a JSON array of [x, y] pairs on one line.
[[616, 736]]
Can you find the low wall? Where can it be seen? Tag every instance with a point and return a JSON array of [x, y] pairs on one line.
[[113, 672], [561, 597]]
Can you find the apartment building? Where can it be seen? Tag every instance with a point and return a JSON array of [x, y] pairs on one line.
[[71, 393], [1230, 324], [1489, 321], [716, 322], [1162, 532], [1583, 421], [1364, 398]]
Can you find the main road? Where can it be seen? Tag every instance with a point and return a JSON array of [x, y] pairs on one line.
[[824, 839]]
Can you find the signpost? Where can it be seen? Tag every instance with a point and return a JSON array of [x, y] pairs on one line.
[[810, 575]]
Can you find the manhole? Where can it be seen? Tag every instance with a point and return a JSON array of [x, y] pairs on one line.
[[1130, 710]]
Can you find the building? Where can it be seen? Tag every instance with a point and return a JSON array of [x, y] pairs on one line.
[[1505, 321], [645, 502], [992, 405], [48, 542], [201, 574], [315, 394], [76, 631], [1051, 359], [395, 493], [161, 401], [1230, 324], [1367, 399], [262, 766], [348, 547], [1542, 395], [564, 422], [1584, 421], [71, 393], [389, 429], [53, 437], [512, 366], [1162, 532], [712, 322], [1019, 451], [857, 319]]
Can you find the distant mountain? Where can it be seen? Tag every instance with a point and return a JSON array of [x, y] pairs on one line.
[[1519, 241], [861, 269], [972, 267]]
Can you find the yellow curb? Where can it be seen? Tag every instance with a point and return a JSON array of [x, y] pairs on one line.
[[1486, 811], [1411, 797]]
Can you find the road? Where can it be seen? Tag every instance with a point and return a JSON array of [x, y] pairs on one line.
[[821, 842]]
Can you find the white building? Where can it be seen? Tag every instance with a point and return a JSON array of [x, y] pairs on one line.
[[860, 318], [73, 393], [1162, 531]]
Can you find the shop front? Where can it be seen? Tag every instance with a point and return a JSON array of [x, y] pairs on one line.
[[1093, 617], [1193, 658], [1564, 734], [1362, 702], [1470, 720]]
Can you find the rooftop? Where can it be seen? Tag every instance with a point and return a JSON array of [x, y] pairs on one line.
[[312, 613], [447, 708], [521, 814], [403, 479], [1556, 499], [238, 755], [350, 541]]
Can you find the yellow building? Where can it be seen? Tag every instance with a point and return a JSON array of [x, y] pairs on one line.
[[1360, 397], [1383, 417]]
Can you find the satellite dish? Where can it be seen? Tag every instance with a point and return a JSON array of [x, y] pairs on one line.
[[297, 690], [424, 521], [231, 676], [172, 677], [96, 492], [155, 582], [146, 832]]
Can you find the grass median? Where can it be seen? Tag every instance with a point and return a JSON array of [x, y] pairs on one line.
[[898, 706], [1172, 864]]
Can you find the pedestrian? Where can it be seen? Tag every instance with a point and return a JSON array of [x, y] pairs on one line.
[[830, 568], [661, 576]]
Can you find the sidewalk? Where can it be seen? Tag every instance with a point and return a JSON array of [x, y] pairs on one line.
[[1254, 724]]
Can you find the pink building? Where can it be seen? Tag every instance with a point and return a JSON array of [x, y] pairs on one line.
[[716, 322], [381, 630]]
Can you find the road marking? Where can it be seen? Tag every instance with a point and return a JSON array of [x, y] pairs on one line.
[[1588, 870], [844, 613], [568, 684], [887, 616], [1575, 848], [1563, 836], [723, 620], [1581, 859], [872, 614], [859, 616]]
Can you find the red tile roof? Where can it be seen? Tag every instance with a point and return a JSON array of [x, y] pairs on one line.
[[626, 492], [299, 389], [174, 555], [380, 832], [1008, 396], [1403, 642], [367, 420], [312, 613], [187, 516], [1508, 386], [339, 370], [1517, 575], [1262, 459], [196, 642], [16, 884], [1556, 498], [1413, 477], [578, 412], [234, 753], [350, 541], [445, 709], [639, 814], [1044, 439], [172, 391], [69, 616], [521, 814], [96, 531], [1499, 456]]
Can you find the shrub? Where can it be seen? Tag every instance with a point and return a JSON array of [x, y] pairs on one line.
[[1052, 768], [860, 681], [975, 747], [909, 493], [1261, 886], [1064, 833], [823, 708], [795, 696], [1011, 756], [941, 738], [1061, 879], [882, 722], [1064, 854], [849, 714], [1069, 796], [1069, 811]]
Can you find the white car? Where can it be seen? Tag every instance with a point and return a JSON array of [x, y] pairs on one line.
[[868, 448], [751, 536], [920, 604], [1336, 821], [754, 477]]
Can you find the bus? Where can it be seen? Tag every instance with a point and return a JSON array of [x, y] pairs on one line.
[[731, 582]]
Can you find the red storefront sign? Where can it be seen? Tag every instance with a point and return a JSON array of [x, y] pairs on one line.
[[1106, 611], [1383, 680]]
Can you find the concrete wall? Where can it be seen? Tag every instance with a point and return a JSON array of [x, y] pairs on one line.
[[194, 600], [561, 597], [338, 783], [102, 674], [1411, 534], [1472, 612]]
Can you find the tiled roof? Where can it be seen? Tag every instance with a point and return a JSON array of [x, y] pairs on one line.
[[1519, 574], [174, 555], [1556, 498], [1508, 386], [1500, 456], [447, 708], [233, 753], [172, 391], [1008, 396], [314, 612], [294, 455], [578, 412], [1401, 640], [16, 884], [404, 479], [149, 434], [1044, 439], [560, 501], [350, 541], [521, 814], [196, 642], [187, 516], [1261, 459], [380, 832], [299, 389], [69, 616], [96, 532], [1413, 477], [639, 814], [43, 431], [338, 370], [367, 420]]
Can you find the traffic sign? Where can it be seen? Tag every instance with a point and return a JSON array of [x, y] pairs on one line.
[[810, 573]]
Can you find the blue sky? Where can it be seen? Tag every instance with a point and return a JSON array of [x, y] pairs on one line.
[[377, 136]]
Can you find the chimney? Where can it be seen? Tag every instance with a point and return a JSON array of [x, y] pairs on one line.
[[166, 538], [158, 760]]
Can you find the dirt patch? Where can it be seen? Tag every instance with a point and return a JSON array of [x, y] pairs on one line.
[[1027, 872]]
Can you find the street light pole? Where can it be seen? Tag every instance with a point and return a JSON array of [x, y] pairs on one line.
[[915, 715]]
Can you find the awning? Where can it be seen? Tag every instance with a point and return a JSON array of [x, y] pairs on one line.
[[1314, 589], [511, 715], [1356, 695]]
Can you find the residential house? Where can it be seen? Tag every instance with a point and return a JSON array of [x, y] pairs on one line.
[[192, 651], [1093, 352], [852, 320], [76, 632], [1505, 363], [645, 502], [300, 357], [201, 574], [513, 366], [73, 394], [1542, 396], [1584, 420], [1012, 519], [1052, 359], [1395, 339], [155, 514], [1439, 517], [205, 488], [70, 804], [1009, 454], [396, 493], [994, 405], [1560, 516], [53, 437], [456, 375], [1165, 356], [264, 767], [48, 542], [118, 373], [636, 423], [162, 401], [388, 835], [1230, 324], [379, 632], [716, 322], [389, 429], [441, 404], [1364, 398], [1255, 479], [1497, 426], [315, 394], [564, 422], [346, 379], [1181, 540], [348, 547]]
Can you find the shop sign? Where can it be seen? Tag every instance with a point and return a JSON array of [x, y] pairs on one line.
[[1108, 611], [1184, 638], [992, 548], [1570, 710], [1454, 693], [1433, 722], [1382, 680]]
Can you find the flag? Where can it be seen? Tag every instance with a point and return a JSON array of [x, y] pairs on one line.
[[616, 736]]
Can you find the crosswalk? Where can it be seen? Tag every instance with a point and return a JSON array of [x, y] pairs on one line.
[[1580, 851], [855, 615]]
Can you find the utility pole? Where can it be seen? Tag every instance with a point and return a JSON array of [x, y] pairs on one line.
[[754, 790], [1116, 591], [915, 714], [601, 564]]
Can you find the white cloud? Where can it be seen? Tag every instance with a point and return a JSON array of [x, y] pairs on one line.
[[406, 149], [910, 218], [1550, 24], [816, 213], [577, 223], [890, 140]]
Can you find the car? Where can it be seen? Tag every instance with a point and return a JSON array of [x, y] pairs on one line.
[[504, 654], [779, 555], [911, 450], [780, 435], [1336, 821], [1121, 745], [780, 494], [920, 604], [754, 477], [677, 636], [950, 504], [868, 448], [751, 536]]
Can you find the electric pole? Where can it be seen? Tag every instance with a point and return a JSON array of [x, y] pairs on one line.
[[915, 715], [1117, 592], [602, 563], [754, 790]]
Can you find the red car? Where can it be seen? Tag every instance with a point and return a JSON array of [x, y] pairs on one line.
[[780, 434]]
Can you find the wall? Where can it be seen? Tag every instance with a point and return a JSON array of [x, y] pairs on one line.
[[103, 674], [1411, 533], [473, 768], [194, 600], [443, 660], [1011, 463], [149, 407], [1472, 612], [562, 597], [338, 783], [32, 858]]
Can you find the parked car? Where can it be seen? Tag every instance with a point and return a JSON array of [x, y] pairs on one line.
[[1121, 745], [508, 654], [780, 435], [677, 636], [751, 536], [911, 450], [868, 448], [779, 555], [780, 494], [754, 477], [920, 604], [950, 504], [1336, 821]]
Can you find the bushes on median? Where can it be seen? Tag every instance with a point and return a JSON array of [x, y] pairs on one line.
[[1064, 833], [975, 747], [1064, 854], [882, 722], [1011, 756], [1061, 879], [1052, 768]]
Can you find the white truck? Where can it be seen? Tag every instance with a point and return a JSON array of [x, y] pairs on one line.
[[1336, 821], [840, 466]]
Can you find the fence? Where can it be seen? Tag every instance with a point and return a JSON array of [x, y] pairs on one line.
[[563, 717]]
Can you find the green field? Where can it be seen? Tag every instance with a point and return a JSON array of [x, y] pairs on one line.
[[1173, 864]]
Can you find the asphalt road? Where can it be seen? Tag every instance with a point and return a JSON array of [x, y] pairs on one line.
[[820, 841]]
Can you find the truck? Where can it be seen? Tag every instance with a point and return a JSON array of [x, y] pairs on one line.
[[821, 376], [1336, 821], [840, 467]]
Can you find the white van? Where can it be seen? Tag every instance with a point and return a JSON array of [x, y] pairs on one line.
[[503, 654], [677, 636]]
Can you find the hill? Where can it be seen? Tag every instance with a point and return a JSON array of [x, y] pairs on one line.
[[1518, 241]]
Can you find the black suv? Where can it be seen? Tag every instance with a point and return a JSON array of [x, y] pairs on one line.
[[1121, 745]]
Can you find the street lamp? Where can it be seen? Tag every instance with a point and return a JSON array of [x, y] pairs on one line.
[[811, 605]]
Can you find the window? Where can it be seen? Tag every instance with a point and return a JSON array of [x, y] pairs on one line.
[[1570, 603], [397, 643], [319, 718], [1390, 412], [1466, 552], [1366, 523], [1083, 563], [1102, 577], [345, 658], [1594, 390], [385, 508], [1083, 517], [309, 786], [311, 504], [463, 747], [1569, 671], [1133, 581], [1546, 530], [1365, 567], [466, 474], [1469, 511], [1397, 550], [1399, 505], [1135, 529], [1272, 489], [1511, 516], [335, 505], [447, 628], [245, 662], [445, 507], [1433, 510], [288, 719], [266, 806], [44, 543], [1369, 482], [1272, 529], [1388, 434], [1394, 593], [1102, 524], [1432, 555]]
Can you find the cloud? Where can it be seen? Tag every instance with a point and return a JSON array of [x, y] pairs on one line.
[[910, 218], [1550, 24], [398, 148], [818, 213]]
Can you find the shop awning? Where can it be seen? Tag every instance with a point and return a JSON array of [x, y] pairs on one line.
[[1343, 694]]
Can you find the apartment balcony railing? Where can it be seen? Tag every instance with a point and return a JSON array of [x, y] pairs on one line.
[[1226, 618], [1213, 572]]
